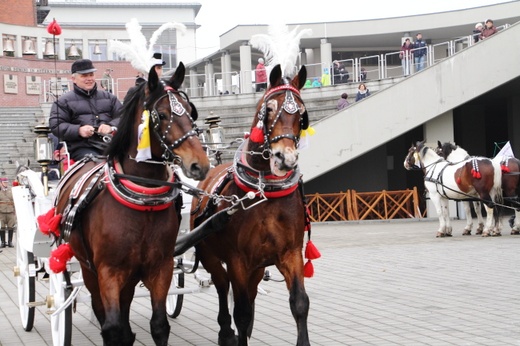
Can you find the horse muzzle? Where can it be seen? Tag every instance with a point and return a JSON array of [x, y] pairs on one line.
[[283, 161]]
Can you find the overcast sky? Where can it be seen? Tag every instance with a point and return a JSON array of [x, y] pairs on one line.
[[218, 16]]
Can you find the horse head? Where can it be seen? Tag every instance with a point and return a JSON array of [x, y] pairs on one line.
[[413, 159], [170, 119], [451, 152], [281, 115]]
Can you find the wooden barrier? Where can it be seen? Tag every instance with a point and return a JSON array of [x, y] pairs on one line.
[[352, 205]]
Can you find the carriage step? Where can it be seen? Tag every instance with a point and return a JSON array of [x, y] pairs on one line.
[[35, 304]]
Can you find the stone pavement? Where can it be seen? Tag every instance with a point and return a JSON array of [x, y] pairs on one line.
[[377, 283]]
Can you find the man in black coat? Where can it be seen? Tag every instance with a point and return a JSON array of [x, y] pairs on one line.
[[82, 115]]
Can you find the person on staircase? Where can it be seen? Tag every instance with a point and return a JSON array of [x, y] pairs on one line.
[[7, 215]]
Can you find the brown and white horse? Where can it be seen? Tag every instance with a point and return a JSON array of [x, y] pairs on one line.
[[510, 177], [466, 180]]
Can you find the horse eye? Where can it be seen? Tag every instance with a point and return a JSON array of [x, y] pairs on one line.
[[163, 116]]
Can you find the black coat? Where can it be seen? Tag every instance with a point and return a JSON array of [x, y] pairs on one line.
[[79, 107]]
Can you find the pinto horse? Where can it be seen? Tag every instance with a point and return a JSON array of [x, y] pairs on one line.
[[123, 225], [466, 180], [268, 230], [510, 176]]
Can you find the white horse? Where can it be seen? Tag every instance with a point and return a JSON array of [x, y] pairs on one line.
[[510, 167], [478, 178]]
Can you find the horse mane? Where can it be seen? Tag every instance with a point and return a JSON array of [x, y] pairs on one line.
[[120, 144]]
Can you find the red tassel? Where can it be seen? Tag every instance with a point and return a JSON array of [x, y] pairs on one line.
[[257, 135], [308, 269], [505, 169], [311, 251], [54, 28], [459, 180], [60, 257], [476, 174], [49, 223], [16, 183]]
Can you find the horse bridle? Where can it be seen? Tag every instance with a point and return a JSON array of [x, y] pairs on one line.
[[178, 109], [289, 105]]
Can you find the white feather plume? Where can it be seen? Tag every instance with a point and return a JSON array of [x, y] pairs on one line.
[[280, 46], [139, 52]]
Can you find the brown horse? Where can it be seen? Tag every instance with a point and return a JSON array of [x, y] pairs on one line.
[[123, 225], [268, 230]]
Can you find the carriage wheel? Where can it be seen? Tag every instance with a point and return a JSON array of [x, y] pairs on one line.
[[61, 325], [174, 301], [26, 285]]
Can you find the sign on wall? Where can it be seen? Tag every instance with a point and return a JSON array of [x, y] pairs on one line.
[[33, 85], [10, 84]]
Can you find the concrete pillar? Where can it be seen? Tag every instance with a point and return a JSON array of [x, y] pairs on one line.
[[225, 61], [60, 48], [325, 55], [18, 49], [194, 90], [85, 49], [209, 70], [441, 129], [246, 69]]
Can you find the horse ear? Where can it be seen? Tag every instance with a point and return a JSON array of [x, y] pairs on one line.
[[299, 82], [439, 144], [178, 76], [194, 113], [276, 76], [153, 79]]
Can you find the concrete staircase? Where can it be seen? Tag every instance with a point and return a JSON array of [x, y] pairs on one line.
[[17, 137]]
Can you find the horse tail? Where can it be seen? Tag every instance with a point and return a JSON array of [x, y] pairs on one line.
[[498, 195]]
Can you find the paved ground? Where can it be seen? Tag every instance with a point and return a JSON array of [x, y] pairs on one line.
[[380, 283]]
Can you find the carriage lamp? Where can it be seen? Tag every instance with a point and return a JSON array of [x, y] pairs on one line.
[[215, 135], [215, 132], [43, 152]]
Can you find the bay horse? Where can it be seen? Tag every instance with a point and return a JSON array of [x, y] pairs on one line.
[[510, 177], [268, 230], [123, 226], [465, 180]]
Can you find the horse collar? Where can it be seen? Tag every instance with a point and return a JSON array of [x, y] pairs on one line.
[[262, 182], [136, 196]]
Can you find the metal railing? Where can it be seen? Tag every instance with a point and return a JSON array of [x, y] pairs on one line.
[[377, 67]]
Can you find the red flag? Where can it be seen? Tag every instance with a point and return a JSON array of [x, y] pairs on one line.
[[54, 28]]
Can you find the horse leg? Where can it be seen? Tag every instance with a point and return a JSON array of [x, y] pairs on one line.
[[113, 330], [292, 269], [516, 223], [444, 216], [90, 281], [245, 288], [158, 282], [226, 334], [469, 218], [492, 222], [478, 211]]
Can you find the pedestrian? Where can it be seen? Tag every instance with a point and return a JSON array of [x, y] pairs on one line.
[[82, 116], [107, 81], [325, 77], [406, 56], [477, 32], [7, 215], [260, 75], [363, 74], [158, 63], [342, 102], [362, 92], [488, 30], [419, 52], [340, 73]]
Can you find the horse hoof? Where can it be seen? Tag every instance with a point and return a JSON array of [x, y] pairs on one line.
[[228, 341], [467, 232], [448, 235], [439, 235], [496, 234], [479, 233], [513, 232], [485, 234]]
